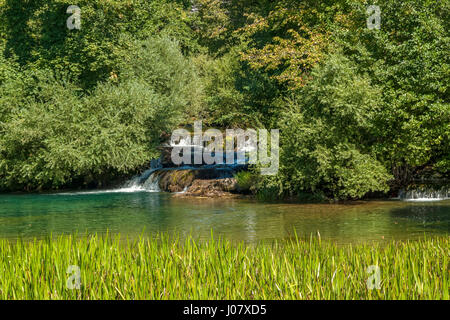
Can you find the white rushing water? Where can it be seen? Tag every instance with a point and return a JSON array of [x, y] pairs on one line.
[[425, 195], [148, 181]]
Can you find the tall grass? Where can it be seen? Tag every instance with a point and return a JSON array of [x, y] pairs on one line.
[[167, 268]]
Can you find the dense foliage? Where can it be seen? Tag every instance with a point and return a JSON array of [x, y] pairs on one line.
[[53, 134], [360, 110]]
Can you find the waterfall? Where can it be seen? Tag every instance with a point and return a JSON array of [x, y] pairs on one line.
[[147, 181], [152, 183], [425, 194]]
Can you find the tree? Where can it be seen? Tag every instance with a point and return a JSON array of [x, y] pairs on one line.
[[55, 136], [327, 137], [36, 33]]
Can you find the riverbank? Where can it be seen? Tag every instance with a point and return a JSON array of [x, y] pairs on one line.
[[167, 268]]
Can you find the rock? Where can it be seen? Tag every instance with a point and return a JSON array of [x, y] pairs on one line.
[[175, 180], [211, 188], [202, 182]]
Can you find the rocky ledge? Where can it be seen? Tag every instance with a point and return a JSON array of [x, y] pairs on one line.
[[211, 188], [198, 182]]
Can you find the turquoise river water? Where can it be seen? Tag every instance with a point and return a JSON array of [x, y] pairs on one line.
[[134, 213]]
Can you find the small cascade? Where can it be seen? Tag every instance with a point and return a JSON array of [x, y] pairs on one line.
[[163, 175], [147, 181], [425, 194], [178, 179], [152, 183]]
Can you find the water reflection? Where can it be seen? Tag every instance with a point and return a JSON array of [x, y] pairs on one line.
[[132, 213], [426, 214]]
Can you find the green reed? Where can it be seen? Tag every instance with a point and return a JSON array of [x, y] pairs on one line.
[[170, 268]]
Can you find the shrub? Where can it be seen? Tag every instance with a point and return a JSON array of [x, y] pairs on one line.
[[54, 134], [326, 135], [246, 181]]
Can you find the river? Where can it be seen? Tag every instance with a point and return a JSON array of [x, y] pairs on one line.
[[133, 213]]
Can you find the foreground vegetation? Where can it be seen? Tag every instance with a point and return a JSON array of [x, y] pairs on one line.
[[163, 268]]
